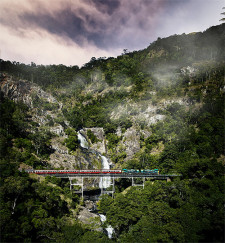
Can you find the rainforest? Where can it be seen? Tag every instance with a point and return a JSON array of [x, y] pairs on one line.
[[158, 108]]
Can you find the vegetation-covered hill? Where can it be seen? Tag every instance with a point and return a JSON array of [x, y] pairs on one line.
[[161, 107]]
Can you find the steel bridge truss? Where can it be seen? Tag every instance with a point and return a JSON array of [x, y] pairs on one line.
[[80, 181]]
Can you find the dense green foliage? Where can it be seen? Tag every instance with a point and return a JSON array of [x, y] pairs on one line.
[[129, 68], [96, 112], [33, 210], [72, 140], [189, 209], [189, 141], [14, 126], [92, 136]]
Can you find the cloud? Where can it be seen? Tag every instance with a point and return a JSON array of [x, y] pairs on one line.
[[108, 7], [79, 29], [45, 48], [101, 22]]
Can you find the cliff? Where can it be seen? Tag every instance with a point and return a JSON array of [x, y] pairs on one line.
[[46, 112]]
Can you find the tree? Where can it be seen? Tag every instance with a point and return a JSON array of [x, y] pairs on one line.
[[223, 19], [73, 233]]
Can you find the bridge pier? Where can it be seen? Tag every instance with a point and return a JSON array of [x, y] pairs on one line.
[[113, 188], [143, 184], [77, 184], [112, 183]]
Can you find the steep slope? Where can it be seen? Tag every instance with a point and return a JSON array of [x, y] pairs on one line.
[[48, 123], [127, 96]]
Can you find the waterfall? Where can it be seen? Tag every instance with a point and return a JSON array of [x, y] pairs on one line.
[[105, 181], [83, 141], [109, 228]]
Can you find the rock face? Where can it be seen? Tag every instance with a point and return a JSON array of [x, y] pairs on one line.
[[85, 215], [47, 112], [100, 146], [18, 90], [44, 95], [131, 140], [31, 95], [61, 157], [88, 218], [22, 90], [190, 71], [145, 111], [58, 129], [90, 205]]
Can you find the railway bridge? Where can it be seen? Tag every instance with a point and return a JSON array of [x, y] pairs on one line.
[[110, 176]]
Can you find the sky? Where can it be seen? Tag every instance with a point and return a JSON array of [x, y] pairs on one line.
[[71, 32]]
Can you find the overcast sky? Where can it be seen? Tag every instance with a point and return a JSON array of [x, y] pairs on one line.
[[70, 32]]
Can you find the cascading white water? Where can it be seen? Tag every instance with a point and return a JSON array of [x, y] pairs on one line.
[[83, 141], [105, 181], [109, 229]]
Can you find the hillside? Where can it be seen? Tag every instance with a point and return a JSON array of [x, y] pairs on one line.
[[161, 107]]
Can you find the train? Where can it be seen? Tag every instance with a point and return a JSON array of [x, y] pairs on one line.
[[127, 171], [143, 171]]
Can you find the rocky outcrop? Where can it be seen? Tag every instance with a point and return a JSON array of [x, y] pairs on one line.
[[189, 71], [58, 129], [24, 91], [91, 219], [31, 94], [16, 90], [145, 111], [80, 159], [99, 146], [156, 118], [131, 140], [43, 95], [145, 133]]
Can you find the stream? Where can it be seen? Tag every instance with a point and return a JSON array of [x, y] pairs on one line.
[[109, 228]]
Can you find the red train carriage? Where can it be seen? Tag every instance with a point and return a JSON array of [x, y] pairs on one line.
[[51, 172]]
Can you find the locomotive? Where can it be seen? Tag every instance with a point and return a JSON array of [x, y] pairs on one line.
[[143, 171]]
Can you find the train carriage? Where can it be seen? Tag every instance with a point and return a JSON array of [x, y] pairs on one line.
[[52, 172]]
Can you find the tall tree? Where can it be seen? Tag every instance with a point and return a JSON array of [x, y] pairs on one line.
[[223, 19]]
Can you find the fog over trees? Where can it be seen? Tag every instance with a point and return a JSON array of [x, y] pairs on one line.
[[179, 79]]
